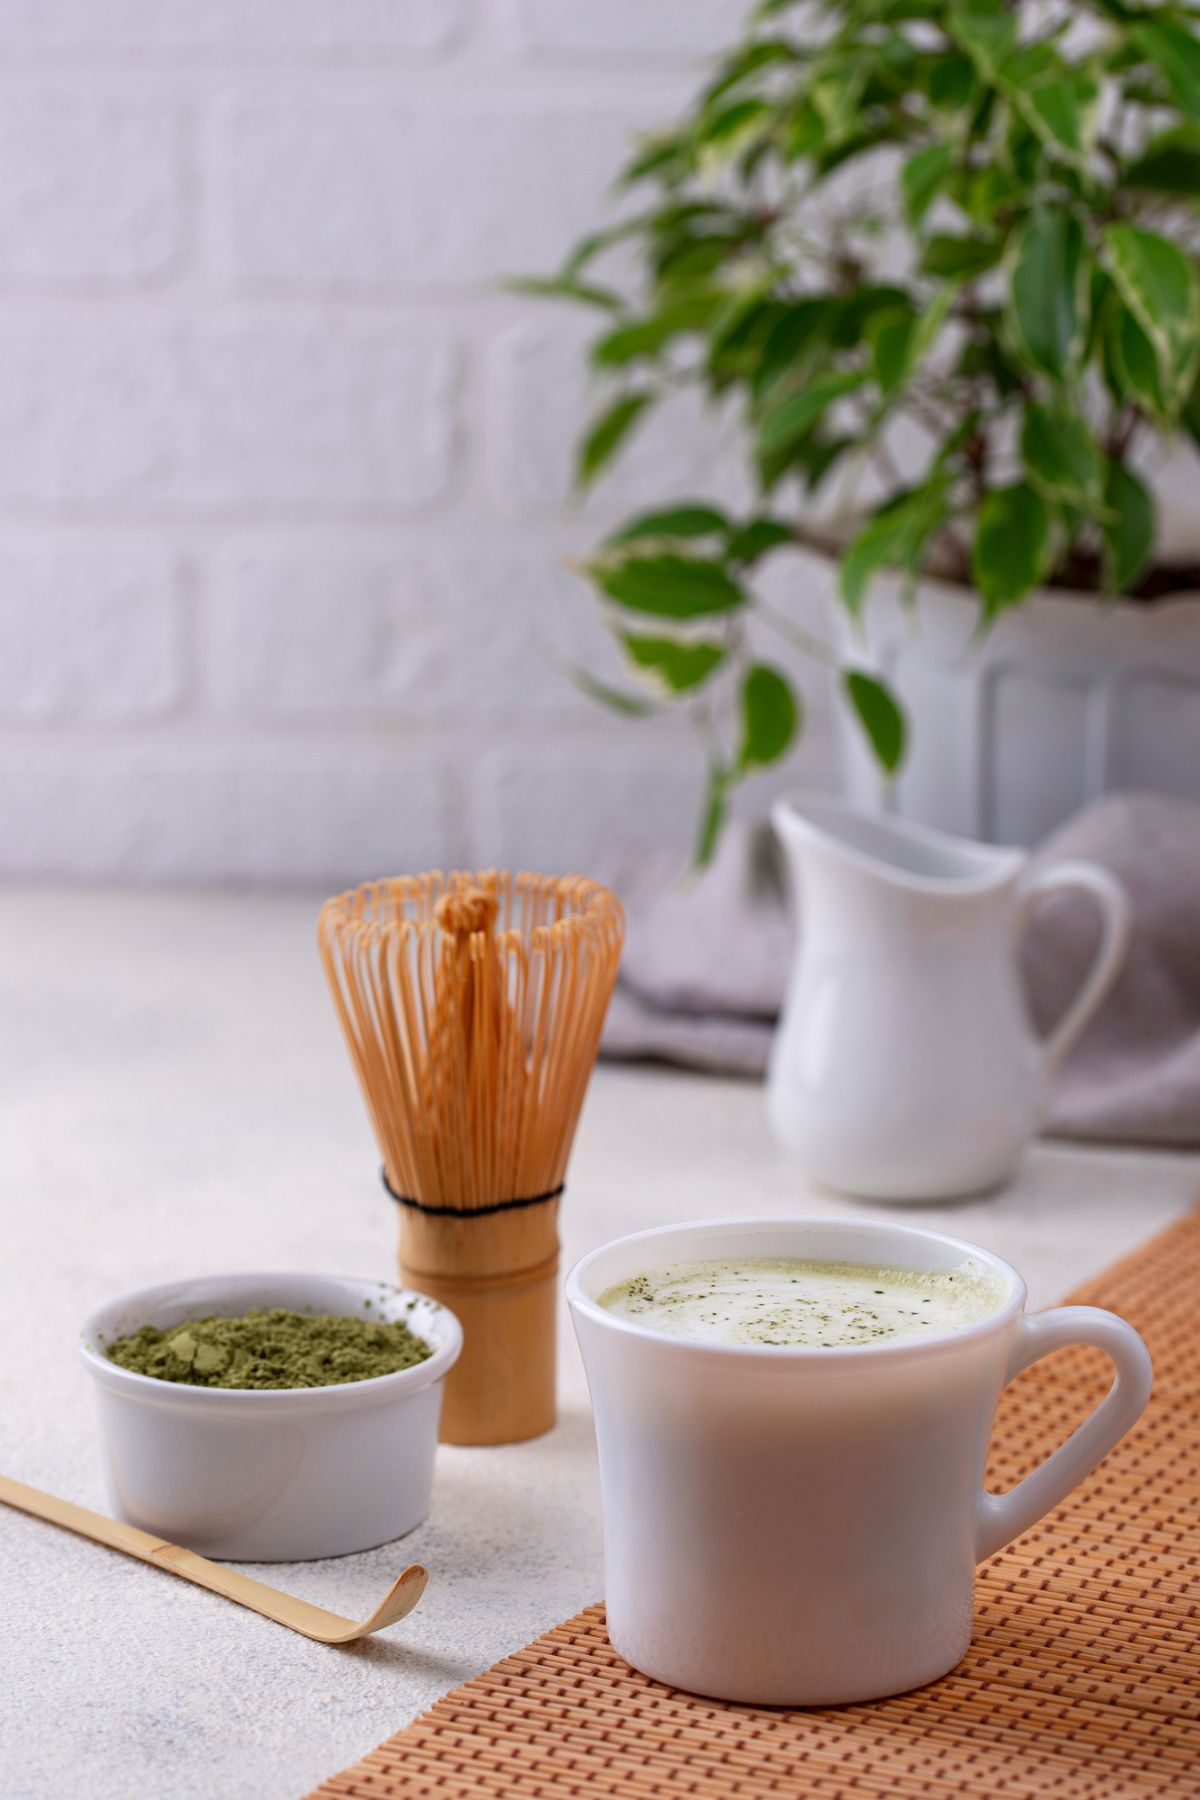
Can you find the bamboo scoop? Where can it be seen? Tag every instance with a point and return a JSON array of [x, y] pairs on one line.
[[298, 1615]]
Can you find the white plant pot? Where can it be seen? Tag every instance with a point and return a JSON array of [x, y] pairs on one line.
[[1065, 699]]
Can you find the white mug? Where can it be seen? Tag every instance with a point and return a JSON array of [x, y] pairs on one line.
[[800, 1526]]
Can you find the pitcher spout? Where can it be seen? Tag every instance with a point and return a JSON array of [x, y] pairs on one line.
[[891, 851]]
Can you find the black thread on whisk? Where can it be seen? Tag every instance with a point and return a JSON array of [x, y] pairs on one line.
[[469, 1212]]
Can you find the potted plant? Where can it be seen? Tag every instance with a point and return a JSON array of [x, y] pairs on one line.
[[938, 256]]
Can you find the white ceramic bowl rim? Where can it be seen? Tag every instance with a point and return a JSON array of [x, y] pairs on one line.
[[439, 1327], [864, 1230]]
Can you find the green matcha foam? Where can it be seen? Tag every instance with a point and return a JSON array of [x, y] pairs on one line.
[[785, 1300]]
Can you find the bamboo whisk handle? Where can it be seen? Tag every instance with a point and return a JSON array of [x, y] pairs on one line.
[[469, 910]]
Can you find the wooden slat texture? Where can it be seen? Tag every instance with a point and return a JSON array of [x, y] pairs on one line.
[[1082, 1682]]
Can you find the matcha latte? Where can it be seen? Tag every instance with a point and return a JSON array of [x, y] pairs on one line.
[[809, 1304]]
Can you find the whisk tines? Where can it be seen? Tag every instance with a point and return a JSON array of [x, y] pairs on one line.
[[472, 1005]]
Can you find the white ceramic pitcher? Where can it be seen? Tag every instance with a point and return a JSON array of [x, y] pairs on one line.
[[905, 1066]]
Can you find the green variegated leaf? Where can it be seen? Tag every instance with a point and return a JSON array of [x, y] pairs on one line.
[[731, 129], [770, 717], [630, 706], [1135, 364], [1011, 545], [1173, 46], [670, 585], [894, 537], [1060, 456], [646, 337], [1128, 529], [922, 177], [678, 666], [747, 62], [608, 433], [562, 287], [1158, 284], [891, 343], [684, 521], [1169, 165], [879, 715], [791, 344], [960, 258], [786, 421], [951, 82], [758, 536], [1058, 102], [986, 29], [1048, 300]]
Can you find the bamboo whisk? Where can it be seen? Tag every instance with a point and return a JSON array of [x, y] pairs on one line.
[[472, 1007]]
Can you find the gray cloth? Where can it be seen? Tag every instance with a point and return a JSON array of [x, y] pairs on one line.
[[705, 963]]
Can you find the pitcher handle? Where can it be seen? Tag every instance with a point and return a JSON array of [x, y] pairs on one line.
[[999, 1518], [1116, 916]]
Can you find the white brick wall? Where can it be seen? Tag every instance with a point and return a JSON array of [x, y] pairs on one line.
[[284, 497]]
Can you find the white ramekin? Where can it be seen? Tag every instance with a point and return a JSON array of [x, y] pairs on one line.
[[276, 1475]]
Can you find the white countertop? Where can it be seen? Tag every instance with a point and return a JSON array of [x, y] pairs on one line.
[[174, 1098]]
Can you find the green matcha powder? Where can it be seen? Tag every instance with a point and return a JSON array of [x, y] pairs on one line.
[[270, 1350]]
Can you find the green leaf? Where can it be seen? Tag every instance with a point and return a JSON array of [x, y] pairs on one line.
[[960, 258], [791, 343], [1011, 545], [660, 153], [836, 94], [630, 706], [646, 337], [891, 342], [687, 521], [1057, 100], [716, 805], [1176, 51], [986, 29], [728, 129], [951, 82], [786, 421], [564, 287], [1128, 530], [1060, 456], [1134, 364], [747, 61], [1169, 165], [851, 316], [608, 433], [678, 666], [754, 539], [894, 537], [737, 333], [1049, 293], [1158, 284], [922, 177], [815, 457], [929, 323], [1190, 417], [670, 586], [984, 194], [770, 717], [879, 716]]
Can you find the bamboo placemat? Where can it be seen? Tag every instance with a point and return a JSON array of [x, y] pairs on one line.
[[1083, 1678]]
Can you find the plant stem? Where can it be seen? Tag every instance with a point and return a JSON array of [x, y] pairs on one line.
[[795, 634]]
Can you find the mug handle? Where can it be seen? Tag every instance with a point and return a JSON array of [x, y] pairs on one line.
[[1116, 915], [999, 1518]]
